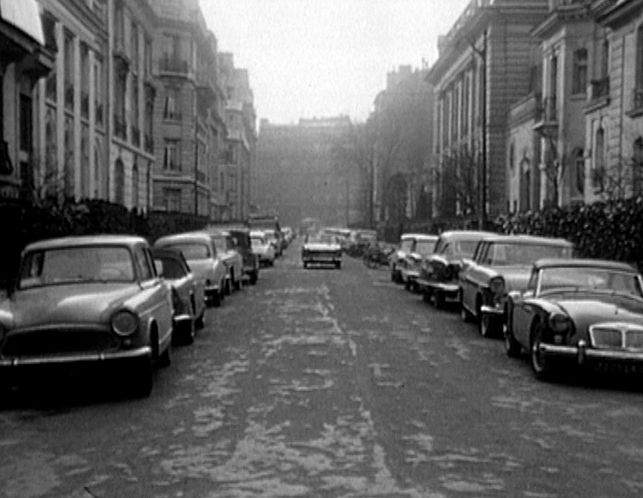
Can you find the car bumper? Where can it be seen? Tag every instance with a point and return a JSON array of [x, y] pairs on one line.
[[211, 291], [410, 275], [449, 291], [587, 355], [78, 358], [492, 311], [321, 259], [180, 321]]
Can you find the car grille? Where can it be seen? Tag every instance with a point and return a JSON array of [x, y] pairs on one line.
[[617, 336], [58, 342]]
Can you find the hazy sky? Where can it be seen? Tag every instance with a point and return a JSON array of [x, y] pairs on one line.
[[314, 58]]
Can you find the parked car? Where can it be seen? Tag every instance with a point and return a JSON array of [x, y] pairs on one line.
[[411, 266], [500, 264], [323, 249], [227, 250], [200, 252], [87, 301], [274, 238], [438, 281], [264, 250], [243, 245], [407, 241], [188, 295], [358, 240], [577, 312]]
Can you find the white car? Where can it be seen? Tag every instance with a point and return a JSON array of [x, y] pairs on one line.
[[323, 248], [262, 247]]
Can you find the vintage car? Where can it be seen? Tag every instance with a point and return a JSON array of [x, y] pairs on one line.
[[87, 302], [500, 264], [577, 311], [227, 251], [243, 245], [188, 298], [438, 281], [322, 249], [264, 250], [407, 241], [411, 265], [201, 254]]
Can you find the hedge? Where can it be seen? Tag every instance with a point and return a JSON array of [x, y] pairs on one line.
[[22, 223], [608, 230]]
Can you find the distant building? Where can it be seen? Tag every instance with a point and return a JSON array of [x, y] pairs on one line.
[[298, 177], [237, 161], [26, 55]]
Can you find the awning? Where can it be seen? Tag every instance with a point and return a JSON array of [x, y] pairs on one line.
[[24, 15]]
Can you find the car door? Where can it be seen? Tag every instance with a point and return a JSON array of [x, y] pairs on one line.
[[155, 301], [523, 311], [467, 280]]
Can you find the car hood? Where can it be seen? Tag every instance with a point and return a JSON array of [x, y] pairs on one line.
[[321, 247], [588, 308], [80, 303]]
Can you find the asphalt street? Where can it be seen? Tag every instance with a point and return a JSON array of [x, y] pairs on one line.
[[328, 383]]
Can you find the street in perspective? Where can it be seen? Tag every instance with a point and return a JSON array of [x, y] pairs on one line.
[[326, 382], [321, 248]]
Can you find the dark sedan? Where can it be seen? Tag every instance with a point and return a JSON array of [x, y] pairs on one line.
[[577, 312]]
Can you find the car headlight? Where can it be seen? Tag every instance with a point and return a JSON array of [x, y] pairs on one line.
[[124, 323], [497, 286], [559, 322]]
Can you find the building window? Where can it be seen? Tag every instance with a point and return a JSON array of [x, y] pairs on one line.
[[134, 113], [579, 79], [134, 46], [98, 91], [170, 109], [598, 177], [637, 166], [84, 80], [135, 186], [578, 173], [147, 57], [171, 156], [120, 126], [119, 26], [119, 182], [69, 70], [26, 123], [172, 199]]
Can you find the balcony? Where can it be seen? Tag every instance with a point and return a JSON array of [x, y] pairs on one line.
[[547, 120], [120, 128], [599, 94], [637, 103], [174, 66]]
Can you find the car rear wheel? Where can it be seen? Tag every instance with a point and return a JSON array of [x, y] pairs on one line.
[[254, 276], [512, 347], [437, 299], [338, 264], [487, 326], [540, 364], [305, 265]]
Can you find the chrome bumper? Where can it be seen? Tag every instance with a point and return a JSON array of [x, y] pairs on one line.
[[131, 354], [492, 311], [442, 287], [583, 353]]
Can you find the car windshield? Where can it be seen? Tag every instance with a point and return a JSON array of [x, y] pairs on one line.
[[587, 277], [425, 247], [191, 250], [507, 254], [323, 238], [172, 268], [257, 241], [76, 265], [464, 248], [406, 245], [220, 243]]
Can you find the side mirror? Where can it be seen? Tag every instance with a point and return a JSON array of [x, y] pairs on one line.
[[158, 264]]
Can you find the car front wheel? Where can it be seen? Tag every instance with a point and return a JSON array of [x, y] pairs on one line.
[[142, 378], [512, 347]]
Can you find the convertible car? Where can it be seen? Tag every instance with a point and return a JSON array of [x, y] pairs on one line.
[[87, 302], [577, 311], [323, 249]]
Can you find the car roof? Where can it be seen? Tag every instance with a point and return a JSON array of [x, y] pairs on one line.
[[528, 239], [466, 234], [583, 262], [413, 235], [184, 237], [85, 240]]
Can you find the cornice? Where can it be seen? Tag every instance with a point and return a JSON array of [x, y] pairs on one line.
[[613, 14]]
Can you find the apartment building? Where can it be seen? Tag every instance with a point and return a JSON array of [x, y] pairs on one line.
[[484, 66]]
